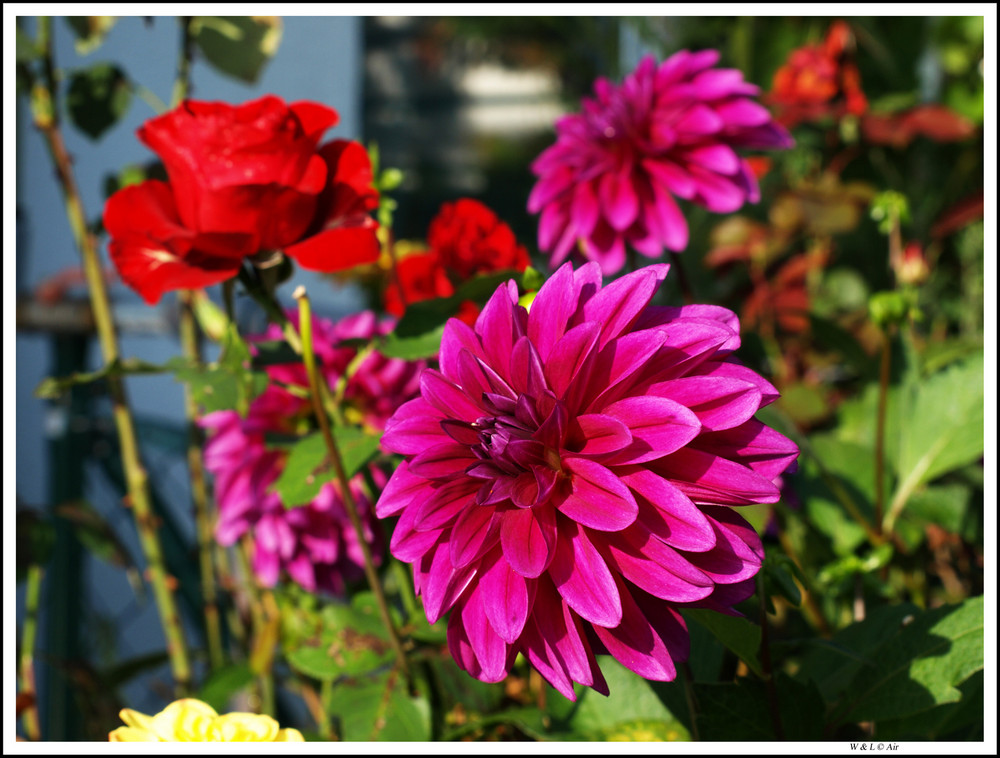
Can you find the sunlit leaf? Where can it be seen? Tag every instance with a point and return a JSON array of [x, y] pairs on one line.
[[90, 31], [239, 46], [738, 634]]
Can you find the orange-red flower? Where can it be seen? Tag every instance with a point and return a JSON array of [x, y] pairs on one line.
[[819, 81]]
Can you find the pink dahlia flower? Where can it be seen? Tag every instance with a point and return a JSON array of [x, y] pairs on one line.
[[570, 473], [314, 544], [668, 129]]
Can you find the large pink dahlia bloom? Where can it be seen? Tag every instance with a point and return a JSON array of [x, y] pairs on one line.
[[668, 129], [314, 544], [569, 475]]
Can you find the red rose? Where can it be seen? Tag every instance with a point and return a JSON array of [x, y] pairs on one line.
[[242, 180], [469, 239]]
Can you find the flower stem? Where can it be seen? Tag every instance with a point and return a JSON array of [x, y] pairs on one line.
[[692, 703], [191, 345], [682, 280], [29, 631], [765, 662], [135, 474], [309, 358], [883, 396]]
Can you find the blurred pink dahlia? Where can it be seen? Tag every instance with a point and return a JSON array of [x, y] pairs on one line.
[[314, 544], [668, 129], [569, 475]]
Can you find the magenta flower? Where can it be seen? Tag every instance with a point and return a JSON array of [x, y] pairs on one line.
[[314, 544], [666, 130], [569, 478]]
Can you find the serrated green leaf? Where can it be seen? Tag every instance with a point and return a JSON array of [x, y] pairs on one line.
[[223, 683], [97, 98], [239, 46], [738, 634], [920, 665], [941, 428], [941, 722]]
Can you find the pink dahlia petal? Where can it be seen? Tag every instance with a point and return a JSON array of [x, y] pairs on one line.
[[507, 599], [569, 474], [583, 578]]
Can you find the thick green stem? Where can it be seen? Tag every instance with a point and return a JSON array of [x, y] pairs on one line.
[[333, 451], [191, 345], [135, 473], [32, 595]]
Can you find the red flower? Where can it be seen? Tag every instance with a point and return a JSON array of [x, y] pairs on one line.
[[936, 122], [466, 238], [242, 180], [469, 239], [819, 81]]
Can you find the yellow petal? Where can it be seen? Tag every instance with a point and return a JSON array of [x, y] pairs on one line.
[[184, 720], [134, 718], [289, 735], [132, 734], [244, 727]]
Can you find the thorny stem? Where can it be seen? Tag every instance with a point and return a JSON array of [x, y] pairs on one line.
[[135, 474], [260, 657], [191, 345], [29, 631], [765, 662], [309, 358]]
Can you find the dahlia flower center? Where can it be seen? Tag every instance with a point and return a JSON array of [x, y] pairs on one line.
[[511, 462]]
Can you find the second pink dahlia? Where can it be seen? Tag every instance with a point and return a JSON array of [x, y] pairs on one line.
[[667, 130], [570, 475]]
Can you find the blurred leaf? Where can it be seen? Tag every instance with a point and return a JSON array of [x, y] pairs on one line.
[[125, 671], [849, 566], [737, 633], [945, 505], [223, 683], [805, 403], [380, 710], [779, 570], [276, 353], [941, 428], [919, 665], [97, 98], [739, 712], [95, 534], [34, 539], [26, 51], [831, 335], [90, 31], [226, 384], [301, 480], [52, 387], [938, 355], [239, 46]]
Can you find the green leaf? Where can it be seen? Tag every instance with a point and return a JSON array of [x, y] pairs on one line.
[[778, 572], [738, 634], [357, 447], [831, 335], [239, 46], [305, 472], [51, 387], [380, 710], [223, 683], [90, 31], [739, 712], [920, 665], [941, 428], [97, 98], [632, 710], [227, 384], [95, 534], [941, 722]]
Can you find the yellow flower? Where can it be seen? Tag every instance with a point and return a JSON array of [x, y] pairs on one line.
[[190, 720]]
